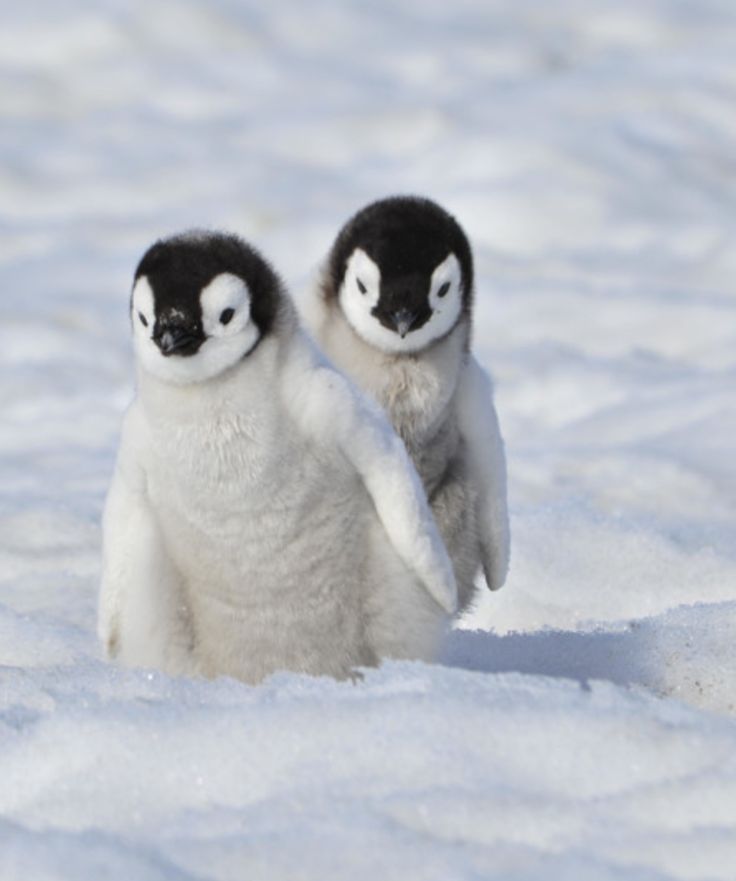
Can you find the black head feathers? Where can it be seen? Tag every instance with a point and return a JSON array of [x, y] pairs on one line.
[[178, 268], [406, 236]]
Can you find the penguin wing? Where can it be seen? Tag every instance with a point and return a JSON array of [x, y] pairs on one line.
[[120, 526], [139, 608], [333, 411], [487, 469]]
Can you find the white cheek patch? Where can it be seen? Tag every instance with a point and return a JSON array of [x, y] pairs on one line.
[[446, 308], [225, 292], [147, 352], [357, 303], [142, 304], [360, 268], [361, 286]]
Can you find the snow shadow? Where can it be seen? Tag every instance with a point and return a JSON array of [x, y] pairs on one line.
[[625, 658], [688, 652]]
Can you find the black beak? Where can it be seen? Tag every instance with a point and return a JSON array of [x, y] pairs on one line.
[[177, 340], [403, 320]]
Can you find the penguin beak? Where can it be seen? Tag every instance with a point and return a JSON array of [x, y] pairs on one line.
[[172, 340], [403, 320]]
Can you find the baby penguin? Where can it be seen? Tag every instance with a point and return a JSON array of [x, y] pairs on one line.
[[393, 309], [263, 515]]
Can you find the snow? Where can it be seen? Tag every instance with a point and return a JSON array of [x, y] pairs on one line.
[[418, 772], [587, 730]]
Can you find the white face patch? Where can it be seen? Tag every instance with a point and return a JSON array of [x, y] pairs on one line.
[[225, 304], [361, 290], [230, 333], [359, 293], [143, 314]]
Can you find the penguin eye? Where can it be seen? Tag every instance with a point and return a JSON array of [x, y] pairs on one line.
[[361, 287], [226, 315], [143, 319], [444, 289]]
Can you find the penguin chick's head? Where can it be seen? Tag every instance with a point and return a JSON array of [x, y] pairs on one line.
[[402, 272], [201, 302]]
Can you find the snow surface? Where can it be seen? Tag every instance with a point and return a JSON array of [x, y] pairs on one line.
[[590, 151]]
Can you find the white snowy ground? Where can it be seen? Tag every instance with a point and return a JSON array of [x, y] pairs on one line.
[[590, 151]]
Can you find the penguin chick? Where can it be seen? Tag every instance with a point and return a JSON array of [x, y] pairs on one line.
[[263, 515], [393, 309]]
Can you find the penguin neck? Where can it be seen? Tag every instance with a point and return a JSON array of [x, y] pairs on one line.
[[243, 386], [246, 387], [413, 388]]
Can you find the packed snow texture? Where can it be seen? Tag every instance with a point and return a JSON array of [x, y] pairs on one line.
[[586, 729]]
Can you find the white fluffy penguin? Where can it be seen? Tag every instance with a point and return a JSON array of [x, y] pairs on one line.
[[393, 310], [263, 515]]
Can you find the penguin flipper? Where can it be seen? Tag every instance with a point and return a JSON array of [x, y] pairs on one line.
[[487, 469], [141, 612], [332, 407]]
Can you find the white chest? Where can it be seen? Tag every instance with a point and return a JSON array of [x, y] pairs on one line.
[[233, 481], [417, 391], [263, 526]]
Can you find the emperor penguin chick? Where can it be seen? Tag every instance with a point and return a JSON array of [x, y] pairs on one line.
[[393, 309], [263, 515]]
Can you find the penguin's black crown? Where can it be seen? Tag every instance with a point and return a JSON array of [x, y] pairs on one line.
[[407, 237], [180, 267]]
